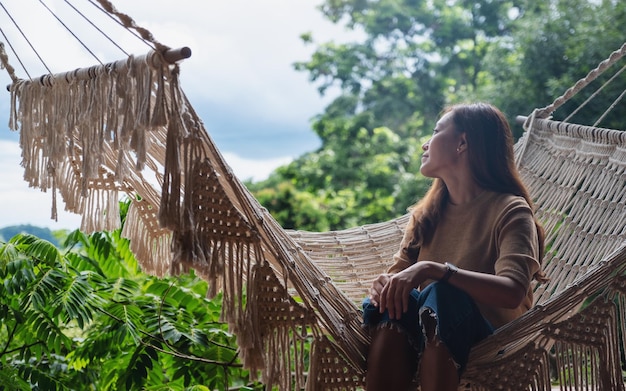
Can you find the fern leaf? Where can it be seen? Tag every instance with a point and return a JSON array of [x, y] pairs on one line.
[[8, 253], [37, 248], [45, 288], [78, 300], [19, 275]]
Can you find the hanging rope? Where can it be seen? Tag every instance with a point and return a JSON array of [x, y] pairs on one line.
[[615, 102], [594, 95], [523, 142], [25, 38], [71, 32], [107, 9], [98, 28], [5, 62], [129, 23], [582, 83]]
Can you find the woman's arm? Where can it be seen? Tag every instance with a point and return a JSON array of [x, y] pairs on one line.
[[486, 288]]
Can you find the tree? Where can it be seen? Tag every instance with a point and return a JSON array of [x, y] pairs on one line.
[[338, 187], [416, 57], [555, 44]]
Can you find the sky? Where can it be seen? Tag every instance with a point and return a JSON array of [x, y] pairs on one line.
[[239, 78]]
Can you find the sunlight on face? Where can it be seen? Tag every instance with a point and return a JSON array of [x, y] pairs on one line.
[[440, 151]]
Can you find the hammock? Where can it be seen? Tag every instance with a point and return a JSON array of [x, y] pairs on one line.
[[126, 129]]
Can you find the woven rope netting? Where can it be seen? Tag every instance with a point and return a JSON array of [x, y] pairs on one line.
[[126, 129]]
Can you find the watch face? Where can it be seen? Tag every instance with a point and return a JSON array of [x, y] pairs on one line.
[[450, 270]]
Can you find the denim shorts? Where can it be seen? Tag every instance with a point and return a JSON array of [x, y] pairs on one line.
[[460, 325]]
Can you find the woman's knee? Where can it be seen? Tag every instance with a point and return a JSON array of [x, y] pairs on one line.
[[390, 340], [443, 291]]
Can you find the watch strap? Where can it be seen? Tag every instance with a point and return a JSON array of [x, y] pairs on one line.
[[450, 270]]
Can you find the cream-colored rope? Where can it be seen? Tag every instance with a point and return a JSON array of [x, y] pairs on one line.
[[592, 96], [4, 64], [573, 172], [568, 168], [129, 23], [520, 146], [611, 107], [580, 84], [341, 253]]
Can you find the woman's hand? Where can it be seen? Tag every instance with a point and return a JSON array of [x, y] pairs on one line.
[[377, 287], [395, 294]]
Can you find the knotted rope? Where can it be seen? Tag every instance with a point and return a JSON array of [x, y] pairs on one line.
[[582, 83]]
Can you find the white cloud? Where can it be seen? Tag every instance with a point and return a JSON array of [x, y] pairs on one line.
[[21, 204], [256, 170]]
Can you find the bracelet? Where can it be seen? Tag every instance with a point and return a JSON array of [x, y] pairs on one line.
[[450, 270]]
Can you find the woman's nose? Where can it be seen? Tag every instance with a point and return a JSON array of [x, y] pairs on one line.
[[425, 145]]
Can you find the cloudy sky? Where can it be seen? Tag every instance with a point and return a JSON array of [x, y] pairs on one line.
[[239, 78]]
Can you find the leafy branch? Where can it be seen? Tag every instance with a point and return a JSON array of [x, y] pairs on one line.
[[90, 310]]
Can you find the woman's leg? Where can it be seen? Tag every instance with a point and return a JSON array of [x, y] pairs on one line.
[[451, 324], [391, 361], [438, 372]]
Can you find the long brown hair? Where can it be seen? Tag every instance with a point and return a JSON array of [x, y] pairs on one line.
[[492, 163]]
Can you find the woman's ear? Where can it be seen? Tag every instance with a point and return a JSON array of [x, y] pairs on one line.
[[462, 143]]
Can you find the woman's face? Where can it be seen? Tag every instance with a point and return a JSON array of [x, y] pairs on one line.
[[440, 152]]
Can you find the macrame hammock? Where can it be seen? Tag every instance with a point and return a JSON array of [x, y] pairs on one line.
[[126, 129]]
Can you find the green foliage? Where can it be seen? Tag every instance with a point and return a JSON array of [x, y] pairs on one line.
[[294, 209], [86, 317], [362, 176], [555, 44], [415, 57]]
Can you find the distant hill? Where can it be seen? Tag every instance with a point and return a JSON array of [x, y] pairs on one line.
[[42, 233]]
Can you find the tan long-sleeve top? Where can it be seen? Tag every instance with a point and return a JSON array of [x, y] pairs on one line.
[[494, 234]]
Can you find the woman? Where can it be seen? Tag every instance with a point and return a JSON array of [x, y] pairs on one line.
[[466, 261]]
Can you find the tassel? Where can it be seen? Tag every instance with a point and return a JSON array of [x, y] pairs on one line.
[[150, 247], [159, 115], [15, 87], [143, 76], [170, 208], [216, 254], [53, 212]]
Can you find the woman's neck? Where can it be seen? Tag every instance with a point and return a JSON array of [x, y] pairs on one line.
[[463, 190]]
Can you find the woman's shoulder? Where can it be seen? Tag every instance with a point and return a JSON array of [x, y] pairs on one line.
[[506, 198], [507, 203]]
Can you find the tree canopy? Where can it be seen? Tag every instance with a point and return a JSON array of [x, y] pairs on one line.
[[415, 58]]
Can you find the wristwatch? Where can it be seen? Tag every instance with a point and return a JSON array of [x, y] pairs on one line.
[[450, 270]]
